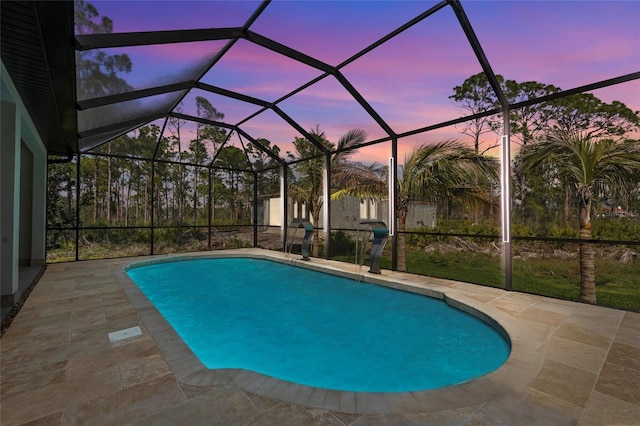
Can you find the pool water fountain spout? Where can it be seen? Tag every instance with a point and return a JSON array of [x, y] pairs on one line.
[[305, 242], [380, 234]]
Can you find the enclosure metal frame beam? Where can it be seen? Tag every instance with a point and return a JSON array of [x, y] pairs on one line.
[[577, 90], [274, 46], [478, 51], [299, 128], [133, 95], [231, 94], [144, 38], [364, 104]]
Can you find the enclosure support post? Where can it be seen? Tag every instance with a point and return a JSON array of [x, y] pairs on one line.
[[255, 209], [153, 183], [284, 206], [393, 186], [326, 195], [152, 209], [77, 221], [209, 204], [505, 196]]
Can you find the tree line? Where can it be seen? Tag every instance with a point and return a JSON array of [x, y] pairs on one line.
[[116, 186]]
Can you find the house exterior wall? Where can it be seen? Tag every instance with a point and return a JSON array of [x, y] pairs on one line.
[[23, 180]]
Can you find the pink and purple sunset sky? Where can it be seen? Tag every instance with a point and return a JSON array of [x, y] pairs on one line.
[[407, 80]]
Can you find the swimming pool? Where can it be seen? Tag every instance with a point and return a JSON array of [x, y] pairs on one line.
[[318, 329]]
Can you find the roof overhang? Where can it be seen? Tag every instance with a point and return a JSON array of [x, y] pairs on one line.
[[37, 49]]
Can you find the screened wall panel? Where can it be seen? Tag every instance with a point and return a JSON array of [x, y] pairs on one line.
[[472, 259], [233, 197], [180, 196], [114, 191], [180, 239], [231, 237], [103, 116], [61, 193], [113, 242], [270, 206], [143, 67], [547, 267], [61, 209]]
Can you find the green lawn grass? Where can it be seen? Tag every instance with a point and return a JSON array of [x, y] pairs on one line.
[[468, 267], [617, 283]]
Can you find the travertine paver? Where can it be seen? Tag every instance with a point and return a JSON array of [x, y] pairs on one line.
[[565, 382], [571, 364]]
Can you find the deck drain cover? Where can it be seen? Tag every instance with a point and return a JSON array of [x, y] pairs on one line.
[[124, 334]]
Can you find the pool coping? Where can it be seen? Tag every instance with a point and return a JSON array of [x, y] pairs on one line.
[[520, 369]]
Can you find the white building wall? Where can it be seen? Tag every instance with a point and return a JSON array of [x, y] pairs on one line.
[[347, 212], [274, 212], [23, 179]]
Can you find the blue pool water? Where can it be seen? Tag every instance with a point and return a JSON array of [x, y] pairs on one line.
[[318, 329]]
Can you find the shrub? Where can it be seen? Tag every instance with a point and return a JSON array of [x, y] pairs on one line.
[[616, 229], [342, 244]]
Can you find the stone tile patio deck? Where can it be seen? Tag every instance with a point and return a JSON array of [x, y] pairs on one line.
[[570, 364]]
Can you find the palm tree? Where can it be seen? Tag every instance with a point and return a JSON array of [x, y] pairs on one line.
[[308, 187], [586, 162], [438, 172]]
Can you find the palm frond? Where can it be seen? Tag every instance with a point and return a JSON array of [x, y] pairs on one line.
[[439, 170], [358, 180], [298, 193], [351, 138]]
